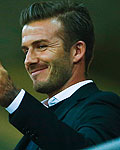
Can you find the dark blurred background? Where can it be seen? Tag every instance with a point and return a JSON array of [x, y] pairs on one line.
[[105, 69]]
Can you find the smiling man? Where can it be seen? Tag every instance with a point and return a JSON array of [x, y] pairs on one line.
[[58, 41], [46, 61]]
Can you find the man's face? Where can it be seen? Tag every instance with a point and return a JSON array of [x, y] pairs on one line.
[[46, 61]]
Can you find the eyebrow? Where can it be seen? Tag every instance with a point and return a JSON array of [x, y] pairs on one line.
[[34, 43]]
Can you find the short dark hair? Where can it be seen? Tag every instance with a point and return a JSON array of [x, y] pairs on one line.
[[75, 18]]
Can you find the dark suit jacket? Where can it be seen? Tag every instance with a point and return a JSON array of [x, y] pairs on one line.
[[88, 117]]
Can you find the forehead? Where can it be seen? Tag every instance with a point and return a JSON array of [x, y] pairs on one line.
[[40, 30]]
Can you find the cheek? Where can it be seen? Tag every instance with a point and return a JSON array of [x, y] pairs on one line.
[[52, 53], [47, 56]]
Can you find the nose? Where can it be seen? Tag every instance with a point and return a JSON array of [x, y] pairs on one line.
[[31, 57]]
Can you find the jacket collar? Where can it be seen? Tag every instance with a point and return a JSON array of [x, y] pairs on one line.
[[79, 95]]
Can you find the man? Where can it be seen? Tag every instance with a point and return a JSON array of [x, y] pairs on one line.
[[58, 41]]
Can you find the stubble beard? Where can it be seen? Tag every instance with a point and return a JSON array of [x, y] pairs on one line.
[[61, 72]]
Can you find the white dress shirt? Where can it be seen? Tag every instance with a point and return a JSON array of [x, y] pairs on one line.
[[52, 101]]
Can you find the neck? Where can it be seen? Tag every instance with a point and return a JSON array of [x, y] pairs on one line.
[[69, 83]]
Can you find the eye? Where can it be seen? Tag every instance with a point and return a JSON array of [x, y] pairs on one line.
[[41, 47]]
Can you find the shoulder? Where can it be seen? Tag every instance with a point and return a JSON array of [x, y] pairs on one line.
[[109, 94], [101, 107], [100, 103], [106, 97], [105, 104]]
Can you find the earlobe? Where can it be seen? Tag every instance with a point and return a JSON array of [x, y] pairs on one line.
[[79, 49]]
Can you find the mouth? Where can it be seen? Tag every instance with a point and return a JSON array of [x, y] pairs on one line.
[[38, 70]]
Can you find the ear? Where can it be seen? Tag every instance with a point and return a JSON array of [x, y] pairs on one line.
[[78, 51]]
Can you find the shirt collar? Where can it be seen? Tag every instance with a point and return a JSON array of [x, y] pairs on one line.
[[66, 93]]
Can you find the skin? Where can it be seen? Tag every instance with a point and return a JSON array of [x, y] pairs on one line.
[[50, 67]]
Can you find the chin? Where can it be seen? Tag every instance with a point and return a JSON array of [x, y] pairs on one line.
[[40, 86]]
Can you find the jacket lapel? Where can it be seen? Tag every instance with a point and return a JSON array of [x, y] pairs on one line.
[[78, 96]]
